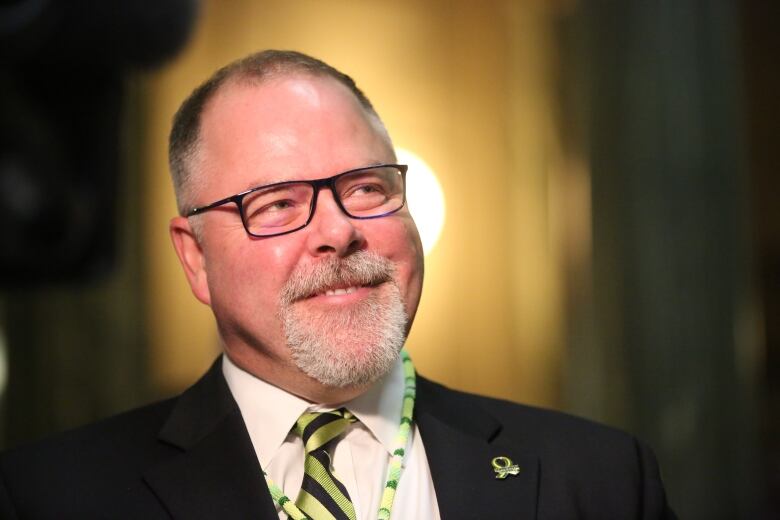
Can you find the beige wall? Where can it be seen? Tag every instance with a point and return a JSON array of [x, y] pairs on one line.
[[467, 86]]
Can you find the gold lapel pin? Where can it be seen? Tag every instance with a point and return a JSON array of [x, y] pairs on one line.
[[504, 466]]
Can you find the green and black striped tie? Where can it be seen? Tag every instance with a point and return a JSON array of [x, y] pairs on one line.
[[322, 496]]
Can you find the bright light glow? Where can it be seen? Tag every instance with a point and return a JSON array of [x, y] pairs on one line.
[[425, 198]]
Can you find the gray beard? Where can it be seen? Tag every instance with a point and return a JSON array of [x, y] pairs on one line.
[[345, 347]]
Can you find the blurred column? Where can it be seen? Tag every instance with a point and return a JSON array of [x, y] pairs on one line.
[[762, 43], [672, 304], [76, 349], [70, 247]]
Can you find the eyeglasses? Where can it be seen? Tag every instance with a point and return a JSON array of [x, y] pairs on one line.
[[284, 207]]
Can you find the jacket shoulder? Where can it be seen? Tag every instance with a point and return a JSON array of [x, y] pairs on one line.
[[585, 465], [92, 466], [125, 429], [538, 427]]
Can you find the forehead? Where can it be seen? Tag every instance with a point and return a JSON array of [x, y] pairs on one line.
[[286, 128]]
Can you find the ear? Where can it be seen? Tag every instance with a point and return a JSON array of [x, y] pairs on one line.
[[191, 257]]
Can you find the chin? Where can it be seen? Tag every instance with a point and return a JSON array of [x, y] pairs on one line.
[[347, 347]]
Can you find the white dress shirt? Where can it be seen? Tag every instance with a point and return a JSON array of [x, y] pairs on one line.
[[359, 458]]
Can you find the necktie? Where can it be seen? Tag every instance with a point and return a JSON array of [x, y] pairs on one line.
[[322, 496]]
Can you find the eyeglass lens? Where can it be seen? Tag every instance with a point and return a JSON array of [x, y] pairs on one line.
[[364, 193]]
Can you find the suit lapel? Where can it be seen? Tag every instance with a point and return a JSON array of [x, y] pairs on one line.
[[461, 439], [215, 474]]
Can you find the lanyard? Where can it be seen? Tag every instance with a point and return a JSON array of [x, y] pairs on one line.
[[396, 461]]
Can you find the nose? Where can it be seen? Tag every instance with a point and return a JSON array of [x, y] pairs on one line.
[[331, 231]]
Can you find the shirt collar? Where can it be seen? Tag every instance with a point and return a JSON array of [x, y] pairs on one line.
[[270, 412], [379, 408]]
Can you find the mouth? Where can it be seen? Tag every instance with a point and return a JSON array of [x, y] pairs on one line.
[[339, 292], [342, 290], [338, 280]]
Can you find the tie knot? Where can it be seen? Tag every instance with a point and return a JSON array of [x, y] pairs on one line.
[[317, 429]]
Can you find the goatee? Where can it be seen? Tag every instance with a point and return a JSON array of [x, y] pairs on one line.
[[348, 345]]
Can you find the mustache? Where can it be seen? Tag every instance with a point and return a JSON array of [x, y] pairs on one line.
[[361, 268]]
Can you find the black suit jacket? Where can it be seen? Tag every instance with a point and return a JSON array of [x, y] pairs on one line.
[[191, 457]]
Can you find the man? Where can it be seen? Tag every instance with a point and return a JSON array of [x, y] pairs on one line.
[[295, 232]]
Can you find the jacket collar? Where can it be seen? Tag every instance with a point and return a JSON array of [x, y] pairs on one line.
[[214, 473], [461, 439]]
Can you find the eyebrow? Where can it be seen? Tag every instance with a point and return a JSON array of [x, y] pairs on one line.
[[253, 185]]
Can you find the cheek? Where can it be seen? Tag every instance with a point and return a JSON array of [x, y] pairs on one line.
[[404, 243], [252, 274], [399, 241]]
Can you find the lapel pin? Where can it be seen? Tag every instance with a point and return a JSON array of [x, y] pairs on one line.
[[504, 466]]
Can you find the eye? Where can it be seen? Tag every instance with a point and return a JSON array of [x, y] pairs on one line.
[[270, 208], [277, 207], [364, 189]]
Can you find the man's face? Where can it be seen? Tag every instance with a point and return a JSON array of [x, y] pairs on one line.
[[293, 128]]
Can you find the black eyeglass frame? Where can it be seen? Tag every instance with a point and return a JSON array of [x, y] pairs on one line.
[[316, 185]]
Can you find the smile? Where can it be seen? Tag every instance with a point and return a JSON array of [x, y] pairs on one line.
[[343, 293], [339, 292]]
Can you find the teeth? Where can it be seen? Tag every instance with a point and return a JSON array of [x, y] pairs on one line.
[[339, 292]]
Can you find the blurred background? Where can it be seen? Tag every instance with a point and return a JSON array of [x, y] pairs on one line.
[[611, 236]]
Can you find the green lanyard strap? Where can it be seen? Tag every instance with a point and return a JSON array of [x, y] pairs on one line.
[[396, 461]]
